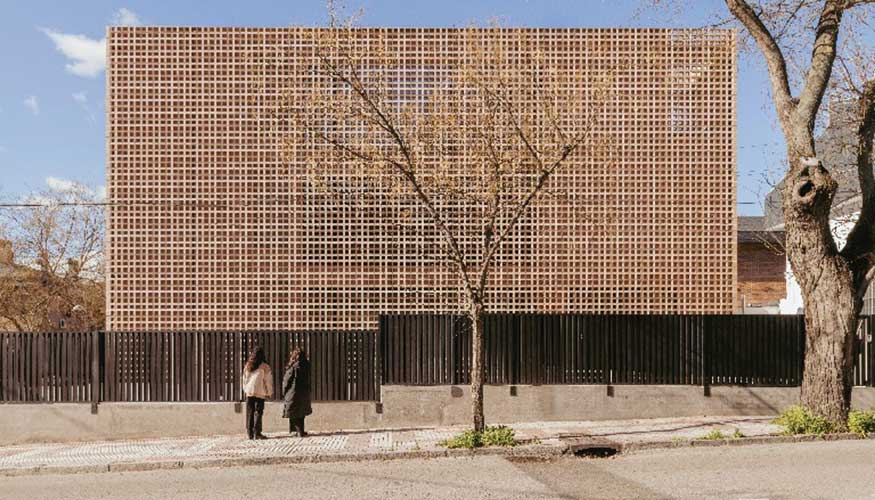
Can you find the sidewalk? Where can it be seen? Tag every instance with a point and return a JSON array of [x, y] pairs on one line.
[[538, 438]]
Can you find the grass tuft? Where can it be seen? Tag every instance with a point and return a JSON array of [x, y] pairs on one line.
[[713, 435], [497, 435], [861, 422], [797, 420]]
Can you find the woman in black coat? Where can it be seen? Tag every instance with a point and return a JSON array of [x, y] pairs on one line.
[[296, 391]]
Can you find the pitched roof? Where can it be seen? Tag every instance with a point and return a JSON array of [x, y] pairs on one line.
[[749, 224], [753, 230]]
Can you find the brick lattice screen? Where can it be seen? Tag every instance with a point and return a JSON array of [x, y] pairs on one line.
[[210, 229]]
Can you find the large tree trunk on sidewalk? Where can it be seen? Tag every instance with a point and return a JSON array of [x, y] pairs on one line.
[[478, 359], [831, 312], [828, 287], [833, 282]]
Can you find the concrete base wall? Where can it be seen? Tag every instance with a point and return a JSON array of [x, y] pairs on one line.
[[61, 422], [444, 405], [402, 406]]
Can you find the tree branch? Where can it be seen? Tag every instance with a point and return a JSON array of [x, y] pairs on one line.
[[860, 247], [822, 57], [774, 58], [407, 171], [456, 254], [14, 322], [567, 150]]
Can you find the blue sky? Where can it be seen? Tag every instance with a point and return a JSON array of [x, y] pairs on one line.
[[52, 107]]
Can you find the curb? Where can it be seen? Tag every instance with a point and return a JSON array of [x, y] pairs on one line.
[[537, 451], [745, 441], [523, 451]]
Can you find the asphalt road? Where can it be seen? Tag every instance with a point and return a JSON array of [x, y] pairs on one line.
[[840, 470]]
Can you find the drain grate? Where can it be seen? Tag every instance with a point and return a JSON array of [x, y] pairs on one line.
[[596, 452], [592, 448]]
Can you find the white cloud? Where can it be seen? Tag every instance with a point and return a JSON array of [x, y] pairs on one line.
[[100, 193], [65, 186], [32, 104], [80, 97], [61, 185], [87, 57], [125, 17]]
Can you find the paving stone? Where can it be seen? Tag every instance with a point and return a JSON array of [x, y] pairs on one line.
[[381, 440], [387, 444]]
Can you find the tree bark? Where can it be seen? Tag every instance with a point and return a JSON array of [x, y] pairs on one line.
[[831, 313], [828, 289], [478, 359]]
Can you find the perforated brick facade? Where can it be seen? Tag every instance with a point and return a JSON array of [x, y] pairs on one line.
[[209, 229]]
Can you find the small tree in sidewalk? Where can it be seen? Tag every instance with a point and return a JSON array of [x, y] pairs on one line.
[[465, 148]]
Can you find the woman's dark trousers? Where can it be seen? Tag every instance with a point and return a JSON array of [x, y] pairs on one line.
[[296, 425], [254, 411]]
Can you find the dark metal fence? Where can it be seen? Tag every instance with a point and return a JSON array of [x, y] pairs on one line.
[[543, 349], [864, 353], [47, 367], [763, 350], [756, 350], [177, 366], [419, 350]]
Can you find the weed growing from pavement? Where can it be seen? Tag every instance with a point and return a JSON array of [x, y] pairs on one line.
[[861, 422], [737, 434], [497, 435], [798, 420], [713, 435]]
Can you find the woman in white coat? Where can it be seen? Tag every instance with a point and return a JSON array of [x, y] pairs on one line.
[[258, 386]]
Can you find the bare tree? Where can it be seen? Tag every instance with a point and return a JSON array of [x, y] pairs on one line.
[[468, 148], [57, 275], [812, 48]]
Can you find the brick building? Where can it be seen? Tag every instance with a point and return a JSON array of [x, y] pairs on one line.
[[208, 227], [762, 283]]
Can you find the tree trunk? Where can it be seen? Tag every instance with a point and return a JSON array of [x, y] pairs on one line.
[[478, 359], [830, 324], [828, 290]]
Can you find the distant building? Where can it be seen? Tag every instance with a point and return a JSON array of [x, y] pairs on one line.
[[837, 149], [762, 283], [10, 273], [32, 299]]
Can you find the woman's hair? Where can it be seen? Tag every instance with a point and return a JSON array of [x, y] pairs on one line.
[[255, 360], [298, 354]]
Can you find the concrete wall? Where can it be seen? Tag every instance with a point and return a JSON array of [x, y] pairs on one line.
[[443, 405], [59, 422], [402, 407]]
